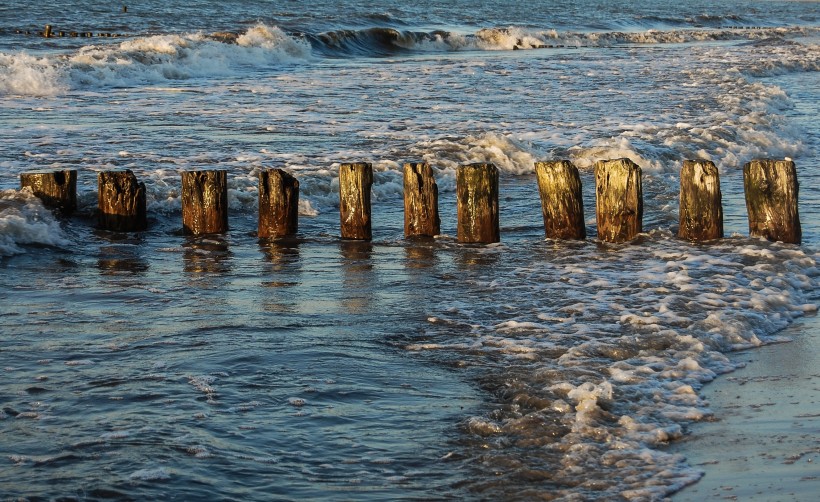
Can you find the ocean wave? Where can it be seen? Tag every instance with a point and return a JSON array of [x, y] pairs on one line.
[[384, 41], [24, 220], [150, 59], [164, 57]]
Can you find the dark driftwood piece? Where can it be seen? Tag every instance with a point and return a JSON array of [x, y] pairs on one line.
[[355, 182], [121, 202], [420, 201], [619, 200], [56, 189], [278, 204], [561, 203], [771, 200], [477, 194], [205, 202], [701, 211]]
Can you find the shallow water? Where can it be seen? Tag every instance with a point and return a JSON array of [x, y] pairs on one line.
[[159, 365]]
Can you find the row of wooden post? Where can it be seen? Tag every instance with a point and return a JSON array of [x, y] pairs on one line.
[[770, 186]]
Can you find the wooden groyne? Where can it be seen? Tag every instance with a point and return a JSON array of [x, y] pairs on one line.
[[770, 187]]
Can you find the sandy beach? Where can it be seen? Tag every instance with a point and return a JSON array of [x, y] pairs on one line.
[[764, 441]]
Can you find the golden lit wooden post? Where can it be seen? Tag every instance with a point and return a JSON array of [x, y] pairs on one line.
[[278, 204], [205, 202], [56, 189], [477, 194], [701, 210], [355, 182], [421, 216], [771, 200], [561, 203], [618, 200], [121, 202]]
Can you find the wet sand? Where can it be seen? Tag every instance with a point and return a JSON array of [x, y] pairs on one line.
[[764, 442]]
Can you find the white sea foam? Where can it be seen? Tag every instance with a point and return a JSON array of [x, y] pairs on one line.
[[151, 59], [23, 74], [24, 220], [155, 474]]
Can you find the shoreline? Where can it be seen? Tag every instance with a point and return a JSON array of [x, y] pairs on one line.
[[763, 443]]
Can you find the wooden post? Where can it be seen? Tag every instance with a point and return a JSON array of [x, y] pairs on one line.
[[57, 189], [355, 181], [47, 31], [477, 194], [121, 202], [771, 200], [701, 212], [420, 201], [205, 202], [278, 204], [619, 200], [561, 203]]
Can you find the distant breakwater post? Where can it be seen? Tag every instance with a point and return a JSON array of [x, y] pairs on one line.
[[121, 202], [562, 206], [278, 204], [56, 189], [701, 209], [50, 32], [771, 200], [421, 218], [477, 200], [618, 200], [355, 183], [205, 202]]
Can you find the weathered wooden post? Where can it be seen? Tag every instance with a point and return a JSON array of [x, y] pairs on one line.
[[278, 204], [477, 194], [355, 182], [619, 200], [56, 189], [205, 202], [771, 199], [561, 203], [47, 32], [701, 211], [420, 201], [121, 202]]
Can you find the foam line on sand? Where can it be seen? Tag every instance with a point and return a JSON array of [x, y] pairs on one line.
[[764, 442]]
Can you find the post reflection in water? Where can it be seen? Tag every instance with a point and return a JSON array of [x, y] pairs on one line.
[[420, 254], [207, 255], [357, 275], [282, 272], [477, 258], [121, 259]]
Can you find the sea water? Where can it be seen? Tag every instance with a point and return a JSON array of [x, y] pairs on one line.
[[159, 366]]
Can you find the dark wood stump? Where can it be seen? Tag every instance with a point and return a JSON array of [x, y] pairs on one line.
[[121, 202], [771, 200], [701, 211], [56, 189], [278, 204], [561, 202], [205, 202], [420, 201], [477, 194], [619, 200], [355, 182]]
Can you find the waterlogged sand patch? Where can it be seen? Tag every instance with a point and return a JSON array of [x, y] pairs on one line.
[[764, 443]]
